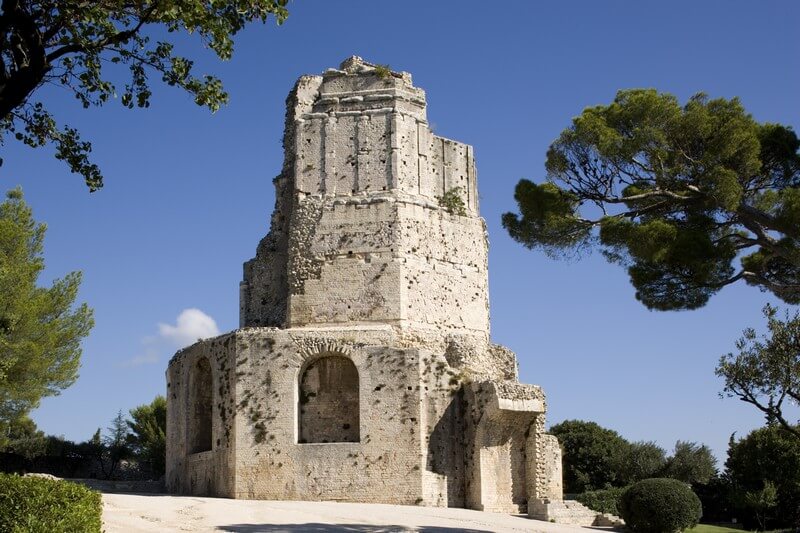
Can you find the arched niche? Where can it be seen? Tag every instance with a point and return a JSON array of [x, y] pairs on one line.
[[328, 398], [200, 407]]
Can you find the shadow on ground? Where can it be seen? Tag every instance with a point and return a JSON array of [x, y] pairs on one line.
[[327, 528]]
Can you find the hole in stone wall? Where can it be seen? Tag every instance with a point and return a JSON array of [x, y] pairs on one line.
[[200, 389], [328, 396]]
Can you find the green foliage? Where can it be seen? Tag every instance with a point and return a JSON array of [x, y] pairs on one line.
[[591, 455], [660, 505], [452, 202], [115, 445], [596, 458], [716, 499], [691, 463], [766, 371], [680, 193], [766, 456], [36, 505], [602, 501], [148, 429], [762, 502], [40, 331], [548, 222], [641, 460], [20, 436], [84, 46], [383, 71]]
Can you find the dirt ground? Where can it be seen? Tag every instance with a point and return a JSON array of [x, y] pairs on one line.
[[134, 513]]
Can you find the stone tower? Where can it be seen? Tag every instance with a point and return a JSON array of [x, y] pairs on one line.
[[363, 368]]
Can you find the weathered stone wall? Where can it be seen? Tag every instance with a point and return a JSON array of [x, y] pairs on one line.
[[209, 472], [443, 444], [369, 241], [272, 460], [410, 445], [503, 424], [264, 291], [551, 478]]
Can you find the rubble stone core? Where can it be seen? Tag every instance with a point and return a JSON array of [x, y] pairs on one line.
[[363, 369]]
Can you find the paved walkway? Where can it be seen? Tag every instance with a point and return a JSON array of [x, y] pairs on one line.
[[132, 513]]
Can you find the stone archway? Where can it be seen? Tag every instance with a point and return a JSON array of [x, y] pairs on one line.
[[200, 407], [328, 398]]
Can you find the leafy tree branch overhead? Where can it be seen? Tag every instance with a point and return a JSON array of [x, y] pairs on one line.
[[766, 370], [676, 194], [76, 44]]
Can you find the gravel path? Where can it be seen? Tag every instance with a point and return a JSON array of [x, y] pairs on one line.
[[134, 513]]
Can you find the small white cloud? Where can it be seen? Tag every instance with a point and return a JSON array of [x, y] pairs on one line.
[[190, 326], [149, 357]]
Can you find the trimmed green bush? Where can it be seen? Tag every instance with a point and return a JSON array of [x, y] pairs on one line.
[[39, 505], [660, 505], [602, 501]]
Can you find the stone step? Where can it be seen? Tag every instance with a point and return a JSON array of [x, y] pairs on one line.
[[573, 512]]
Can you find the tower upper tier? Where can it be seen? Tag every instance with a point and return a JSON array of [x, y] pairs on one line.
[[364, 130], [376, 219]]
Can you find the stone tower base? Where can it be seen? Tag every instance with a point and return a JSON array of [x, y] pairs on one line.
[[401, 425]]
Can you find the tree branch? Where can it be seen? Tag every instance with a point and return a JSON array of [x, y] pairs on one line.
[[748, 213], [111, 40], [31, 68]]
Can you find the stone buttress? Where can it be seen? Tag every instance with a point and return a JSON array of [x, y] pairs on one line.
[[363, 368]]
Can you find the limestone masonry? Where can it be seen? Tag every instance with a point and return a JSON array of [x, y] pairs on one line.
[[363, 370]]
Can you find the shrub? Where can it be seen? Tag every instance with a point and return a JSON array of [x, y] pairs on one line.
[[602, 501], [769, 454], [591, 455], [39, 505], [383, 71], [660, 505]]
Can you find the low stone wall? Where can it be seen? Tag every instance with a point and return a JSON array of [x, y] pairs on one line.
[[103, 485]]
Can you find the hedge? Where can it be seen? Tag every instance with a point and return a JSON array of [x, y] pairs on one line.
[[40, 505], [602, 501], [660, 505]]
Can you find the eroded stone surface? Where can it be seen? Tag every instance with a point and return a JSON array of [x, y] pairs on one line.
[[363, 369]]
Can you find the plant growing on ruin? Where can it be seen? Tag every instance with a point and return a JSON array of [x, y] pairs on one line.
[[452, 202], [676, 194], [383, 71], [40, 328], [84, 47]]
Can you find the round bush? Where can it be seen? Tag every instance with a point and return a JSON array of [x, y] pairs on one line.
[[660, 505], [33, 504]]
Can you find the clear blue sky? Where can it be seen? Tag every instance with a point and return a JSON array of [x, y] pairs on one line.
[[188, 194]]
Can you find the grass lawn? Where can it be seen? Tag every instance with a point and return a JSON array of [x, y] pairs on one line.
[[703, 528]]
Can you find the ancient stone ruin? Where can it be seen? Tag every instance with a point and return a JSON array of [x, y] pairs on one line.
[[363, 369]]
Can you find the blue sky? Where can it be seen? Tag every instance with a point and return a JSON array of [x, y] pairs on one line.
[[188, 194]]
